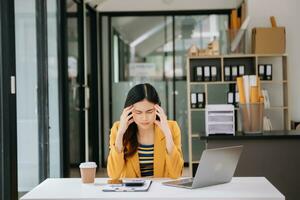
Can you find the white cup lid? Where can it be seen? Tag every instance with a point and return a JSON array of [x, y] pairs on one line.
[[88, 165]]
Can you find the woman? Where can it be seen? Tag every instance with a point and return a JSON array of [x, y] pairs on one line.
[[144, 143]]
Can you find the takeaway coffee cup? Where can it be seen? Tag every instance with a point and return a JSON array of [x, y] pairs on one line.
[[88, 172]]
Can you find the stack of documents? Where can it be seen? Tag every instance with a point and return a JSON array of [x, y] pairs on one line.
[[123, 188]]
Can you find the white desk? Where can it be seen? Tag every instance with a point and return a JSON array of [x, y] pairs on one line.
[[248, 188]]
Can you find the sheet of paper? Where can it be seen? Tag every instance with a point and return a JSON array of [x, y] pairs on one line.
[[123, 188]]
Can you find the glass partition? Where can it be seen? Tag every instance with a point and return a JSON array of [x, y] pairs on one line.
[[144, 49], [74, 89], [27, 95], [54, 142], [26, 78], [191, 30], [138, 56]]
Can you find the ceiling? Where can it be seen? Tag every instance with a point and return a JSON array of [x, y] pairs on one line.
[[161, 5], [148, 33]]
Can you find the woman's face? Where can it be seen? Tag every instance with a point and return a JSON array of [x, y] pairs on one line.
[[144, 114]]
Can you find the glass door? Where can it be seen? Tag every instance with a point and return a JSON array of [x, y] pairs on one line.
[[27, 100], [83, 133], [75, 49], [38, 136]]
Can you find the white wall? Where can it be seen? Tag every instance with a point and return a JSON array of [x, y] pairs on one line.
[[287, 14]]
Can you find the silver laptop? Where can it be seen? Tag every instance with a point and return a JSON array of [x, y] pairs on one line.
[[216, 166]]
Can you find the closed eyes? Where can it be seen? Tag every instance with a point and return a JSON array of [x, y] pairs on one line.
[[147, 111]]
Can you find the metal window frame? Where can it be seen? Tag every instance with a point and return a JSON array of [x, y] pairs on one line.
[[100, 91], [8, 114], [80, 77], [63, 86], [42, 90], [93, 85], [166, 13]]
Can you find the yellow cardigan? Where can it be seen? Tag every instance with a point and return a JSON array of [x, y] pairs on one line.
[[164, 164]]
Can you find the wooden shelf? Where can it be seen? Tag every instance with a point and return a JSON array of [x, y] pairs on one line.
[[212, 83], [234, 82], [277, 108], [271, 55], [206, 57], [237, 108], [272, 108], [195, 135], [250, 61], [237, 56], [230, 82], [197, 109], [230, 123], [274, 82]]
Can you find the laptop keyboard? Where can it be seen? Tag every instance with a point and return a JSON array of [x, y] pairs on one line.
[[188, 184], [185, 182]]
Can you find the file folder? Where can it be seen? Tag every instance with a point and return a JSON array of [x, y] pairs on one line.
[[227, 73], [230, 98], [193, 100], [234, 72], [241, 70], [199, 73], [268, 72], [214, 73], [261, 71], [237, 99], [200, 100], [207, 73]]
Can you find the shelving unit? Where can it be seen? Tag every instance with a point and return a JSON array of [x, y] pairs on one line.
[[215, 93]]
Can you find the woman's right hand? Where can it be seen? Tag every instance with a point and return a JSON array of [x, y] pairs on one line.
[[125, 120]]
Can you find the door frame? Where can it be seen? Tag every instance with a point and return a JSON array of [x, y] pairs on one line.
[[42, 90], [91, 82], [8, 113], [63, 86]]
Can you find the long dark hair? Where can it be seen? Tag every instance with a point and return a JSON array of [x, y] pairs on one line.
[[136, 94]]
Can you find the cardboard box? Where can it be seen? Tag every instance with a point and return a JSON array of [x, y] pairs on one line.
[[268, 40]]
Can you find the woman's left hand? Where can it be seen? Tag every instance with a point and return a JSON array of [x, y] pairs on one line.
[[163, 122], [163, 125]]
